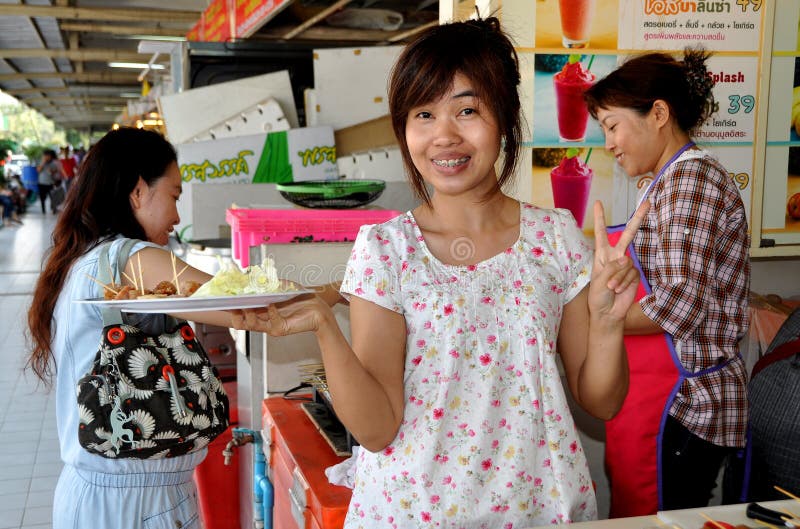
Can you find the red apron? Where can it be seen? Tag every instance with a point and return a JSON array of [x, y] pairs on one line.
[[633, 436]]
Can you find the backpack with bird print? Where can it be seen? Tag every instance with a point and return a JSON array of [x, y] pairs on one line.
[[148, 395]]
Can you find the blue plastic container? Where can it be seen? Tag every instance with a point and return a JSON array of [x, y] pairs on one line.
[[30, 178]]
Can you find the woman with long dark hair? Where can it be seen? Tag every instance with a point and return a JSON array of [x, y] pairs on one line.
[[126, 193]]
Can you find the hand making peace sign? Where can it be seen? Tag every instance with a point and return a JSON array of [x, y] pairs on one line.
[[614, 278]]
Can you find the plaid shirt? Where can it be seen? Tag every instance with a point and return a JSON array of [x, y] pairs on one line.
[[694, 250]]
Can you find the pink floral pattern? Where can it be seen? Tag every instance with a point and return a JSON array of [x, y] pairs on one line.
[[487, 439]]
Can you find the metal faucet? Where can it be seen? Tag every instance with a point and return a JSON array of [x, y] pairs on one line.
[[263, 491], [240, 438]]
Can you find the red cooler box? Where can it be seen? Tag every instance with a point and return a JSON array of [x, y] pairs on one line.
[[217, 483]]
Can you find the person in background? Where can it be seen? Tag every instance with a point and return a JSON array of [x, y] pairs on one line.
[[458, 310], [68, 166], [693, 247], [50, 175], [80, 153], [18, 193], [8, 207], [128, 189]]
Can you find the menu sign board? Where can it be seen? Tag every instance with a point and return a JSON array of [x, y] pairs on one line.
[[733, 120], [721, 25], [781, 206], [577, 42], [195, 34], [583, 24], [214, 24], [217, 22], [249, 15], [224, 20]]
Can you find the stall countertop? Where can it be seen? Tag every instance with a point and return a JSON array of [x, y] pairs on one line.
[[689, 518], [638, 522]]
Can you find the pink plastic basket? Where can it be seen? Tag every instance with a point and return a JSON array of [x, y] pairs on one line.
[[252, 227]]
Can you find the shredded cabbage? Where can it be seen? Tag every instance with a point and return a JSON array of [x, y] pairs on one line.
[[231, 281]]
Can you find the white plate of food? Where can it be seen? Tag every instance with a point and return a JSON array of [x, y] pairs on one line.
[[168, 304]]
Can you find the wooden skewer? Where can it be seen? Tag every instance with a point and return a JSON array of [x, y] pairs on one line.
[[765, 524], [141, 280], [131, 279], [790, 518], [713, 521], [661, 523], [174, 274], [102, 284], [182, 271], [782, 491]]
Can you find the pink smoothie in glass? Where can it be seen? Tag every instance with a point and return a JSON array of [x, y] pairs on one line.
[[571, 182], [576, 22], [570, 84]]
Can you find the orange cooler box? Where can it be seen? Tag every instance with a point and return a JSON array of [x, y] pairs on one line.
[[298, 457]]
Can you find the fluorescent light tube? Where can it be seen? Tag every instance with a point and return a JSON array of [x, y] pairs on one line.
[[136, 65]]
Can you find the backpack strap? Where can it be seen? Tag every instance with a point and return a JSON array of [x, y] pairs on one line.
[[124, 254], [105, 270], [108, 274], [113, 316]]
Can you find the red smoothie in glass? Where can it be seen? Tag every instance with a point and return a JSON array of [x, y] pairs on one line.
[[572, 181], [576, 22], [570, 84]]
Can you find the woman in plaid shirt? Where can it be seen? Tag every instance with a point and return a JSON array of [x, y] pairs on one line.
[[693, 248]]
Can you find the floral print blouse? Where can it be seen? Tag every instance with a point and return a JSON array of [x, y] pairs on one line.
[[487, 439]]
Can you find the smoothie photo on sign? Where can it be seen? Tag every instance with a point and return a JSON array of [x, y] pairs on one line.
[[576, 22], [579, 24], [570, 84], [572, 181]]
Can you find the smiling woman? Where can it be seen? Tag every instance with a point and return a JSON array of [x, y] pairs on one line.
[[458, 309], [454, 141], [155, 205], [693, 250], [126, 194], [120, 212]]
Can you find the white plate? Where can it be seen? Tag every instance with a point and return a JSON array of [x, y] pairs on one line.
[[194, 304]]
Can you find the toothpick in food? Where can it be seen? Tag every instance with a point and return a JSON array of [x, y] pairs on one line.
[[106, 287], [141, 280], [786, 492], [174, 274], [132, 280], [713, 521]]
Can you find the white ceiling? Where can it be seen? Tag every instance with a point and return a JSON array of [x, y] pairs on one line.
[[54, 53]]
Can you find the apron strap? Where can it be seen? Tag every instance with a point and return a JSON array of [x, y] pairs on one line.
[[674, 157], [633, 436]]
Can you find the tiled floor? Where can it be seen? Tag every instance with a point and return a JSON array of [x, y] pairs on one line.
[[29, 459]]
